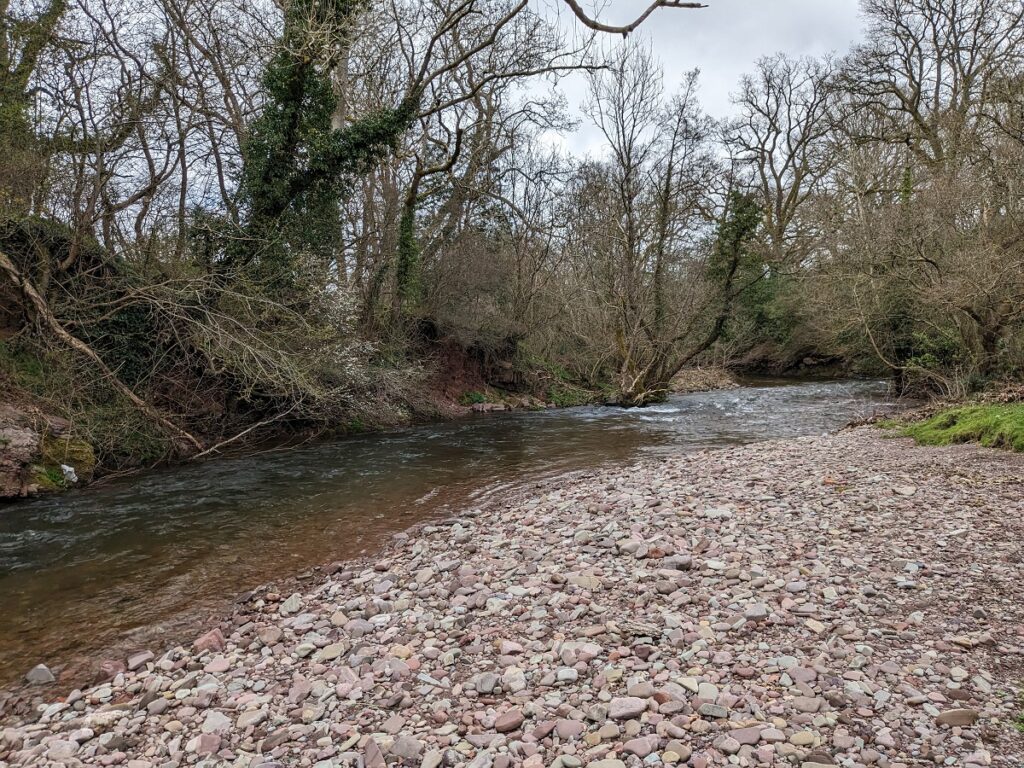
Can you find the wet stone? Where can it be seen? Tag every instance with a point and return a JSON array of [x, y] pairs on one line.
[[40, 675]]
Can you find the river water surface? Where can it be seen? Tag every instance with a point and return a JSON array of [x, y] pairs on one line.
[[111, 567]]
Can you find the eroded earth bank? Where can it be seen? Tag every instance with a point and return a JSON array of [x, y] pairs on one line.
[[846, 600]]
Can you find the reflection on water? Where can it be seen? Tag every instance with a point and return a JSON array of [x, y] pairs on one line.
[[118, 558]]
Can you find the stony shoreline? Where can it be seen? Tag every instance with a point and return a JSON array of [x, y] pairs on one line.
[[844, 600]]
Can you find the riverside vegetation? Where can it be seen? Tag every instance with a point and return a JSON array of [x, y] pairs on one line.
[[228, 222], [998, 426]]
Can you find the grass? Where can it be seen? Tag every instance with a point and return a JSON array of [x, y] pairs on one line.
[[994, 426], [473, 398]]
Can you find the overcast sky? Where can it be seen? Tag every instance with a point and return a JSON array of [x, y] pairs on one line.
[[723, 41]]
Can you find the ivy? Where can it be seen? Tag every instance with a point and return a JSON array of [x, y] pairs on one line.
[[297, 166]]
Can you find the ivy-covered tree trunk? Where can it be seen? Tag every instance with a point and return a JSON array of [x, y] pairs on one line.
[[298, 163], [22, 152], [407, 268]]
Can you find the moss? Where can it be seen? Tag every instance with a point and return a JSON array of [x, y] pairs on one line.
[[994, 426], [71, 451], [48, 478], [55, 451]]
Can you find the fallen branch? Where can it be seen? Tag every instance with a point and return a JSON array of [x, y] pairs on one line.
[[223, 443], [43, 310]]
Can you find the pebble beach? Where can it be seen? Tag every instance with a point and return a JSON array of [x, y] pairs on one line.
[[845, 600]]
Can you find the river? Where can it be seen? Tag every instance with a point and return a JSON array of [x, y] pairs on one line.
[[112, 567]]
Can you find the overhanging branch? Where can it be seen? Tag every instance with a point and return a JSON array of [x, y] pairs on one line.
[[626, 28], [42, 308]]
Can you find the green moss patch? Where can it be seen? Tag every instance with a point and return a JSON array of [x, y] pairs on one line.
[[473, 398], [68, 450], [48, 478], [994, 426]]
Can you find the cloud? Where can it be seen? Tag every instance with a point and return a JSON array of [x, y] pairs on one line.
[[724, 41]]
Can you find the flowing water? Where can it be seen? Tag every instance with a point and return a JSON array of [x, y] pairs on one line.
[[112, 566]]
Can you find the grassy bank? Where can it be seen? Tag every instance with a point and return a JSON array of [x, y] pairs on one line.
[[993, 425]]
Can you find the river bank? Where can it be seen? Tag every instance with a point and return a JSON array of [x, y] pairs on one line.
[[833, 600], [43, 453], [131, 560]]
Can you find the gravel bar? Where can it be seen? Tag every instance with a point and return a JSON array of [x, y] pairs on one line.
[[848, 600]]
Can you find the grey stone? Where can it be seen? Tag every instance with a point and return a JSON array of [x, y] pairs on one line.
[[40, 675]]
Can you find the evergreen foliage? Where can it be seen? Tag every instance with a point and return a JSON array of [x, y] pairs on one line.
[[297, 164]]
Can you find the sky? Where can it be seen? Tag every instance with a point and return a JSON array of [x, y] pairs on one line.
[[724, 41]]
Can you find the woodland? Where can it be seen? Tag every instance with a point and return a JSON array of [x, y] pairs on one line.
[[222, 220]]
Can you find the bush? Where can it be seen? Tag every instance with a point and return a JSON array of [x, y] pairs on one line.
[[472, 398], [568, 396]]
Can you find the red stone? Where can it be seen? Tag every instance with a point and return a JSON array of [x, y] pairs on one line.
[[509, 721], [211, 641], [109, 669]]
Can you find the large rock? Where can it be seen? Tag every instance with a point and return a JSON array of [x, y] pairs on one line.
[[34, 450], [139, 660], [626, 708], [958, 717], [641, 747], [407, 748], [67, 451], [250, 717], [19, 449], [713, 711], [61, 750], [750, 736], [211, 641], [509, 721], [756, 612], [216, 722]]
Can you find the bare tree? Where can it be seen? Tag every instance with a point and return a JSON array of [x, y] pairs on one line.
[[783, 137], [644, 226]]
